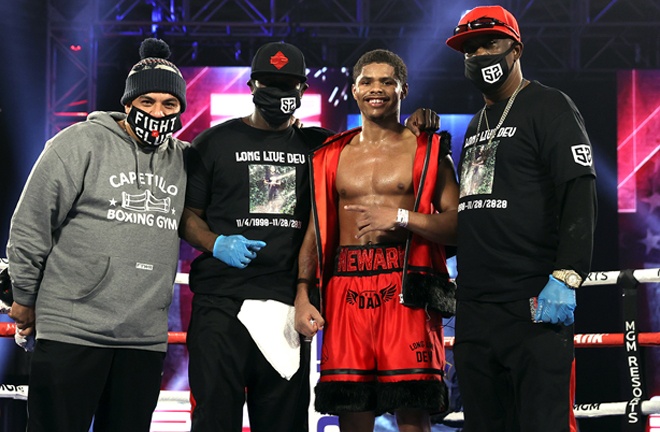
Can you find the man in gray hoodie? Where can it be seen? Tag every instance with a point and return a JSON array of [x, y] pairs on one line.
[[93, 250]]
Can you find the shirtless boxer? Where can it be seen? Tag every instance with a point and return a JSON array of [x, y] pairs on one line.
[[385, 204]]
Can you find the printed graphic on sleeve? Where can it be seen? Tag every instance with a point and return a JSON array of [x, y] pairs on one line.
[[478, 169], [272, 189], [582, 154]]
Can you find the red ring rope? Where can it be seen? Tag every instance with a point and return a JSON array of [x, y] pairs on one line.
[[588, 340]]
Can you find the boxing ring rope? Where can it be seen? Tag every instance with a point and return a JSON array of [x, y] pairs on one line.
[[180, 400], [587, 340]]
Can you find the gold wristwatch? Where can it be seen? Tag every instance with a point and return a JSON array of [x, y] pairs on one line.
[[569, 277]]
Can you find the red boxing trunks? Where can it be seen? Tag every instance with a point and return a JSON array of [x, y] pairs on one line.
[[370, 338]]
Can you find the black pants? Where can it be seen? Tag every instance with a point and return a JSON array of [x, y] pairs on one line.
[[513, 374], [70, 384], [225, 365]]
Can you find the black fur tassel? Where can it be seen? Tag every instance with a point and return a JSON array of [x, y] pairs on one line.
[[336, 397], [6, 295], [428, 291], [431, 396]]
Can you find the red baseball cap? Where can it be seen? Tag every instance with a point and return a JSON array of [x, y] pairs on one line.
[[484, 20]]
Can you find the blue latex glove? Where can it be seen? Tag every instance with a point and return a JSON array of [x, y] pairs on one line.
[[236, 250], [556, 303]]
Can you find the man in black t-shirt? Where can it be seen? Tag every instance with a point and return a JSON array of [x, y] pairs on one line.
[[526, 219], [248, 203], [244, 282]]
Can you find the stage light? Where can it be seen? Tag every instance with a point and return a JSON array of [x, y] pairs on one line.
[[156, 17], [237, 51], [335, 90], [75, 48]]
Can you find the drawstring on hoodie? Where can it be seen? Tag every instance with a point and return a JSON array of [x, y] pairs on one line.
[[137, 160], [152, 163], [154, 154]]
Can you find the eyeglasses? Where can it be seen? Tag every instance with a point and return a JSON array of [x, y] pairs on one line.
[[483, 23]]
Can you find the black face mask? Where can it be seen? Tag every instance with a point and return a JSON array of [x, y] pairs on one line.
[[488, 72], [276, 105], [152, 130]]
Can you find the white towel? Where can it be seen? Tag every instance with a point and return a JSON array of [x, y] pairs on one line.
[[272, 327], [25, 342]]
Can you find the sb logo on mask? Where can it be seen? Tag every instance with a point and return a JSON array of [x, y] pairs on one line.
[[288, 105], [492, 73]]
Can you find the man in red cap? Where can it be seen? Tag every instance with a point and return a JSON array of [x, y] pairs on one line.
[[526, 163]]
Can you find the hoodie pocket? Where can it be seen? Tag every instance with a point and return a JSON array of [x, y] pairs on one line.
[[128, 300]]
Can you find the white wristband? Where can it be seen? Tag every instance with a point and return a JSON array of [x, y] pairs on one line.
[[402, 218]]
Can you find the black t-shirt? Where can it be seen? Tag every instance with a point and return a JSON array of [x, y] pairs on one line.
[[254, 183], [508, 212]]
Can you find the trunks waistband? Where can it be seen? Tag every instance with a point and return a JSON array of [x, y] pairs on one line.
[[357, 260]]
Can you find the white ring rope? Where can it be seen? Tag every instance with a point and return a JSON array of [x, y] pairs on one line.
[[594, 278], [610, 277]]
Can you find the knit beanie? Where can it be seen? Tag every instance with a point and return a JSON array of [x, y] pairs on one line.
[[154, 73]]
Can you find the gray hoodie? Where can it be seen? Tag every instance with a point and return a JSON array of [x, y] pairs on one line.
[[93, 242]]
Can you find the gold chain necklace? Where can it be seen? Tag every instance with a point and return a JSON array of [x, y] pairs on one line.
[[508, 106]]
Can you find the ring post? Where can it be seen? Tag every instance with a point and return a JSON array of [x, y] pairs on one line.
[[635, 419]]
